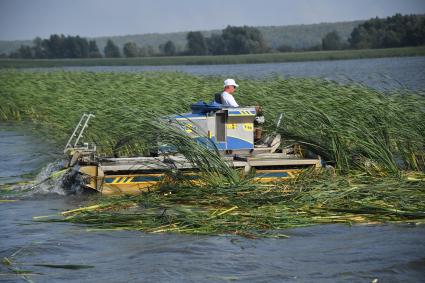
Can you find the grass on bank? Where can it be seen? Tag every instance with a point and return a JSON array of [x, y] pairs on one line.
[[219, 59]]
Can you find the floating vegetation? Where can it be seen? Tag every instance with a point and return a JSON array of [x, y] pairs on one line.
[[15, 268], [260, 210], [374, 142], [65, 266]]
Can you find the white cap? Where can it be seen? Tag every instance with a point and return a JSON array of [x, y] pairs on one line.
[[230, 82]]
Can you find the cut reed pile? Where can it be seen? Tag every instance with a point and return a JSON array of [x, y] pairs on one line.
[[260, 210], [370, 137]]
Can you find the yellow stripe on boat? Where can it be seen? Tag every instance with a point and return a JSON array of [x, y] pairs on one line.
[[266, 176]]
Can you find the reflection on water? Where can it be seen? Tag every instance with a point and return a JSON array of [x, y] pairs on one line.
[[380, 73], [327, 253]]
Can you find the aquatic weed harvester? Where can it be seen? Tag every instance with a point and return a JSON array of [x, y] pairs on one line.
[[230, 131]]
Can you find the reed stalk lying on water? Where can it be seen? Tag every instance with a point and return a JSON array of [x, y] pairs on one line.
[[261, 210]]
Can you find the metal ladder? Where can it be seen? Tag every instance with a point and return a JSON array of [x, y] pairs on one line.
[[78, 131]]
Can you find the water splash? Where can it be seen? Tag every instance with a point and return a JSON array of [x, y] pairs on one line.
[[52, 179], [46, 182], [71, 181]]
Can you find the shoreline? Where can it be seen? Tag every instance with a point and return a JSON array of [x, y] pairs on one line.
[[219, 60]]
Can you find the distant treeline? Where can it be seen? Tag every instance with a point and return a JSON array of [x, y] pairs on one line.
[[395, 31], [58, 46]]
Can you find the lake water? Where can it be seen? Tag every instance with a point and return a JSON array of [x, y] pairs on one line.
[[380, 73], [326, 253]]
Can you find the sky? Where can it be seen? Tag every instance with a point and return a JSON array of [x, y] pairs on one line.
[[27, 19]]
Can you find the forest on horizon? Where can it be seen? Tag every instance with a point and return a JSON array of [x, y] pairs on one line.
[[275, 36], [395, 31]]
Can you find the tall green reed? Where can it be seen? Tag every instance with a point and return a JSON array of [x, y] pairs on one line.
[[351, 126]]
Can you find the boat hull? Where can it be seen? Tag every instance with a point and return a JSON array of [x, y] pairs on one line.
[[133, 184]]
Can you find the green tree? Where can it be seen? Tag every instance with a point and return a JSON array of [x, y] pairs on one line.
[[59, 46], [111, 50], [55, 46], [39, 48], [215, 44], [394, 31], [76, 47], [168, 48], [243, 40], [332, 41], [196, 43], [94, 51], [147, 51], [25, 52], [131, 49]]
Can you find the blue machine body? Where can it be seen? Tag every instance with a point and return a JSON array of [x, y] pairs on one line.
[[229, 128]]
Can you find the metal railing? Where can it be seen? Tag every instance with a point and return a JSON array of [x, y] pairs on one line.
[[78, 131]]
